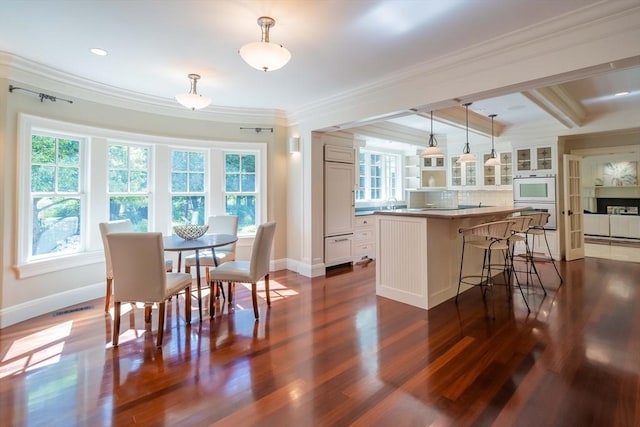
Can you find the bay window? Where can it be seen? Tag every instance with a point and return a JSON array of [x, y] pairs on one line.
[[155, 182]]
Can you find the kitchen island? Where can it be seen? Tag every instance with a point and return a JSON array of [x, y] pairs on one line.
[[418, 252]]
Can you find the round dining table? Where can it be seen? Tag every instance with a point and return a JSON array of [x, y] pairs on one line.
[[208, 241]]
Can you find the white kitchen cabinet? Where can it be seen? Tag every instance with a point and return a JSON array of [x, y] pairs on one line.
[[339, 198], [364, 242], [625, 226], [498, 176], [337, 153], [462, 174], [337, 250], [434, 172], [536, 160], [596, 225], [412, 172]]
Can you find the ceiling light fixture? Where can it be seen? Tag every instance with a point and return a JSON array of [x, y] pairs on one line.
[[494, 159], [192, 100], [432, 150], [467, 156], [264, 55], [98, 51]]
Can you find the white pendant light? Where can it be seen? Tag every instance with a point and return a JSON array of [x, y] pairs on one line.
[[432, 150], [192, 100], [264, 55], [467, 156], [493, 159]]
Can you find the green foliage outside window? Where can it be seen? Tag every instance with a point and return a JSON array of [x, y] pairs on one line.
[[55, 201], [240, 179]]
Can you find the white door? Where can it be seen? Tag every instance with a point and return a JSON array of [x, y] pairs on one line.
[[572, 213]]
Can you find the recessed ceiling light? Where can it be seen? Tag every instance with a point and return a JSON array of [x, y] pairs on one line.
[[622, 93], [98, 51]]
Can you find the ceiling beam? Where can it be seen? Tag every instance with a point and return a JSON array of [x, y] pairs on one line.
[[456, 117], [559, 104]]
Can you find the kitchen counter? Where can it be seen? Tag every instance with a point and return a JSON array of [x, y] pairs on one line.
[[418, 252], [459, 213]]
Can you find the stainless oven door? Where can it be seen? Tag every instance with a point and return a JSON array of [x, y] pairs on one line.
[[540, 207]]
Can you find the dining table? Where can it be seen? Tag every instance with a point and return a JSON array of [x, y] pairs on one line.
[[175, 243]]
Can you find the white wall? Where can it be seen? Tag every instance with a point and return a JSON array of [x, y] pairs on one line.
[[21, 299]]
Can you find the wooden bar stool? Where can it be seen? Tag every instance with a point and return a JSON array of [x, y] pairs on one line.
[[489, 237]]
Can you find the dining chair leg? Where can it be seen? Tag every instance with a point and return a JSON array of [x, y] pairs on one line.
[[147, 313], [116, 323], [229, 292], [160, 323], [107, 298], [266, 288], [254, 298], [212, 308], [187, 305]]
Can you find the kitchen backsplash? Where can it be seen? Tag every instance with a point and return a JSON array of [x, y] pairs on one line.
[[487, 198]]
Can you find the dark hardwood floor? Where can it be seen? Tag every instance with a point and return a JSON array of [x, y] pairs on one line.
[[331, 353]]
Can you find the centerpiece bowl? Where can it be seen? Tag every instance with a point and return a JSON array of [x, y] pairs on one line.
[[190, 231]]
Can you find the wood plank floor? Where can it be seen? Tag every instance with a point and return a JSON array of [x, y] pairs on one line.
[[331, 353]]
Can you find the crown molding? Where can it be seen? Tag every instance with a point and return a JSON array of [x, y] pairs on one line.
[[488, 51], [27, 72]]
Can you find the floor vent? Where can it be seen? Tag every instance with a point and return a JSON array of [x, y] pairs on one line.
[[72, 310]]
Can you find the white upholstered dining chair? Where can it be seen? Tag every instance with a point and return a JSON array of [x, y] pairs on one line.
[[218, 224], [139, 275], [118, 226], [249, 271]]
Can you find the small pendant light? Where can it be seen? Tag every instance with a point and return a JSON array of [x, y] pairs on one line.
[[432, 150], [467, 156], [494, 159]]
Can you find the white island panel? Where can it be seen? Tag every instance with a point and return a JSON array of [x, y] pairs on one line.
[[402, 242]]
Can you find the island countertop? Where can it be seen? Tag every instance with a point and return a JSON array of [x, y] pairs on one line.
[[441, 213]]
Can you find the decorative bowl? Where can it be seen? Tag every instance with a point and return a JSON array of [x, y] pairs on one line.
[[190, 231]]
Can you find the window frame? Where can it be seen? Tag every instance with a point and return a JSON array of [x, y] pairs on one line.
[[205, 190], [385, 179], [95, 182], [258, 186]]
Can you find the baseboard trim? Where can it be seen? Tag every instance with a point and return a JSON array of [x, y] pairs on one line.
[[49, 304]]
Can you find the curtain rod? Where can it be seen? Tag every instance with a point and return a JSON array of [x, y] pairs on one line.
[[258, 130], [41, 95]]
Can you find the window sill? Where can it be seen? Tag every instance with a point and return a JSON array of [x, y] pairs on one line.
[[37, 268]]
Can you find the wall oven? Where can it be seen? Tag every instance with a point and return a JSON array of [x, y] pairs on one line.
[[538, 194], [535, 189]]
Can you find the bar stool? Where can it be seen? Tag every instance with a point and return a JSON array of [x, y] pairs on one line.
[[519, 235], [489, 237], [536, 228]]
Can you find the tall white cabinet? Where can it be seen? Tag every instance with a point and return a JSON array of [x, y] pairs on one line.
[[339, 204]]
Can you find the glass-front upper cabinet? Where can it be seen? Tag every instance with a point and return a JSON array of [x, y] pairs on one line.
[[535, 159], [462, 174], [498, 175]]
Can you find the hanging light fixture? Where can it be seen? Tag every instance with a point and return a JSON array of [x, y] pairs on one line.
[[432, 150], [264, 55], [467, 156], [192, 100], [494, 159]]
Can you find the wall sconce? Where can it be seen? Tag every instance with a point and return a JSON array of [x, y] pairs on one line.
[[294, 144]]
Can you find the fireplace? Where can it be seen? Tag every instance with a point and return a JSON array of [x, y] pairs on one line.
[[603, 203]]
